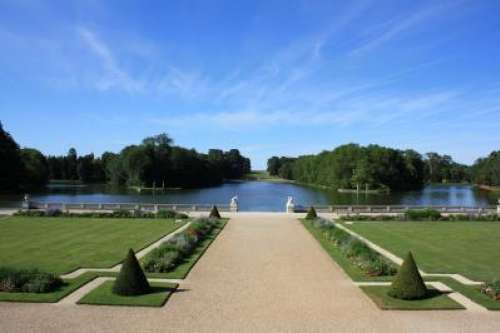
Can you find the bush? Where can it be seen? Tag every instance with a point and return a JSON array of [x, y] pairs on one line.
[[131, 280], [311, 214], [360, 254], [425, 214], [359, 217], [491, 289], [166, 214], [408, 283], [170, 253], [53, 212], [121, 213], [29, 281], [214, 213]]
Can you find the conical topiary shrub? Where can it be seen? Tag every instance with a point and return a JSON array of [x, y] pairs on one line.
[[311, 214], [131, 280], [408, 283], [214, 213]]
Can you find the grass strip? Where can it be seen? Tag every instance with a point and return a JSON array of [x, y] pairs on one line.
[[103, 295], [436, 300]]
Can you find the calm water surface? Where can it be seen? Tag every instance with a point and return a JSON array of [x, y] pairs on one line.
[[262, 196]]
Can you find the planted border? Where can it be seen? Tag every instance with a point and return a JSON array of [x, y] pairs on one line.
[[184, 266], [367, 260]]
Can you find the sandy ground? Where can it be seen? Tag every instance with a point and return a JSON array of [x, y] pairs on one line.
[[263, 273]]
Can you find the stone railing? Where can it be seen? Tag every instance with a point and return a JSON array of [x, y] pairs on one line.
[[390, 209], [146, 207]]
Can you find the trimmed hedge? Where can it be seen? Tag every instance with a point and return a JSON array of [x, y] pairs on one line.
[[367, 259], [422, 215], [408, 283], [214, 213], [119, 213], [28, 281], [131, 280], [311, 214], [172, 252]]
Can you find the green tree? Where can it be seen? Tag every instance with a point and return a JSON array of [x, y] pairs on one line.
[[131, 279], [35, 168], [408, 283], [11, 165]]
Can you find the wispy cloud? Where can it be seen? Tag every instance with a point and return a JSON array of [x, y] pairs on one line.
[[391, 29], [113, 76]]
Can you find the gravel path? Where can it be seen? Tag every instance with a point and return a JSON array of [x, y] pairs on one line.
[[263, 273]]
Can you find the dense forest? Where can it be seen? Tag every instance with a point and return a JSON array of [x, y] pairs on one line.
[[352, 165], [153, 162]]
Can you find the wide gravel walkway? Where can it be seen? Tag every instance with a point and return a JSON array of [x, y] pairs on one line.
[[264, 273]]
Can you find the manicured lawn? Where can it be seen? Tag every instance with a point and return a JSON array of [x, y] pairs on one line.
[[61, 245], [437, 301], [69, 286], [468, 248], [103, 295], [182, 270]]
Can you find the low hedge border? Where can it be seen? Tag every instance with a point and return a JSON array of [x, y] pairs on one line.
[[422, 215], [120, 213], [175, 257]]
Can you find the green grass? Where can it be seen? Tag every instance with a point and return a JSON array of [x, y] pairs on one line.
[[436, 300], [69, 286], [182, 270], [467, 248], [265, 176], [354, 272], [60, 245], [103, 295]]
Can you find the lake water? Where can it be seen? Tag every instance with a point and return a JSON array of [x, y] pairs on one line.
[[262, 196]]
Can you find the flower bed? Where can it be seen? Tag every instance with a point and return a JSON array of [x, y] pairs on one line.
[[28, 281], [172, 252], [120, 213], [492, 289], [367, 259]]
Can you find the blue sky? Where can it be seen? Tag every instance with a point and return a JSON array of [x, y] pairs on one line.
[[267, 77]]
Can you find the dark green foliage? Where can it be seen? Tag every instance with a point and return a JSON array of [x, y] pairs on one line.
[[311, 214], [408, 283], [359, 217], [373, 166], [36, 170], [11, 165], [442, 169], [170, 214], [172, 252], [214, 213], [29, 281], [131, 280], [486, 171], [367, 259], [422, 215]]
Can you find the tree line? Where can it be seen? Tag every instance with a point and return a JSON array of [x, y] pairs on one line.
[[153, 162], [376, 167]]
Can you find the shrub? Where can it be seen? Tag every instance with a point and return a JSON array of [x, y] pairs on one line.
[[408, 283], [214, 213], [122, 213], [491, 289], [311, 214], [181, 216], [359, 217], [30, 281], [425, 214], [53, 212], [360, 254], [170, 253], [166, 214], [131, 280]]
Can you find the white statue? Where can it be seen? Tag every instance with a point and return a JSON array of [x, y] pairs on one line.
[[290, 205], [234, 204]]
